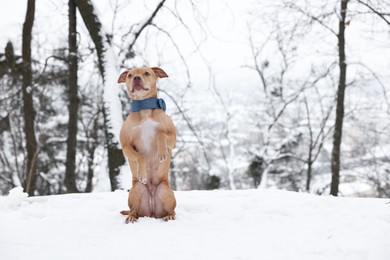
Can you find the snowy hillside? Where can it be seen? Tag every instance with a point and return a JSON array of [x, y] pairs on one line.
[[247, 224]]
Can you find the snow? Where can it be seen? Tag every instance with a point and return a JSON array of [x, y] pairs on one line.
[[244, 224], [112, 92]]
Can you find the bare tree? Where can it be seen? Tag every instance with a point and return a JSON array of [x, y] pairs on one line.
[[91, 145], [275, 99], [70, 171], [316, 140], [111, 101], [12, 169], [338, 127], [28, 107], [321, 19]]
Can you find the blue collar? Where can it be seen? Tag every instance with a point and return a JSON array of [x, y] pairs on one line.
[[149, 103]]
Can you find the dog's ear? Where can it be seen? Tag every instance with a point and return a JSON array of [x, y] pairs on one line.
[[123, 76], [159, 72]]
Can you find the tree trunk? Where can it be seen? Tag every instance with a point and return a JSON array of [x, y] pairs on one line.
[[91, 147], [338, 129], [10, 58], [309, 174], [70, 172], [112, 106], [28, 107]]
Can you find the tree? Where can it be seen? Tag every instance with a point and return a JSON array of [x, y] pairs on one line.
[[318, 14], [28, 107], [108, 70], [316, 140], [70, 172], [338, 127], [342, 84]]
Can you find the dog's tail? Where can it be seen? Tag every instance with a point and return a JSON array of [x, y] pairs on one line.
[[125, 212]]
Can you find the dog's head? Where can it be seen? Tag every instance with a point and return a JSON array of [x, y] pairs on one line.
[[141, 82]]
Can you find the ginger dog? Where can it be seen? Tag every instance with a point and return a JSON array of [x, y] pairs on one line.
[[147, 137]]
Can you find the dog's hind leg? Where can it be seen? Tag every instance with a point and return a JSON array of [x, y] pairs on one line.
[[165, 202], [139, 202]]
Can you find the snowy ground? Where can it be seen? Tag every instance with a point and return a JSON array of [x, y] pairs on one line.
[[246, 224]]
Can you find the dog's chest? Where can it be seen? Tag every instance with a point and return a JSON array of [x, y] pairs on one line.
[[147, 131]]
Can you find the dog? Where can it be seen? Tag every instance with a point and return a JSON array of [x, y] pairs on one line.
[[147, 137]]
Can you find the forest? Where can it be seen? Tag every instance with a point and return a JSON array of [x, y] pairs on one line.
[[280, 94]]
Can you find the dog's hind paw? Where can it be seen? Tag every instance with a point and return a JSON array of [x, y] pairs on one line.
[[131, 219], [170, 217]]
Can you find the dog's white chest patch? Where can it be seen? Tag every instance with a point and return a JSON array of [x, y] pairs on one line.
[[148, 130]]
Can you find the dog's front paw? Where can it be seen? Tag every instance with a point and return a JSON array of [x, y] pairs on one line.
[[141, 176], [163, 153]]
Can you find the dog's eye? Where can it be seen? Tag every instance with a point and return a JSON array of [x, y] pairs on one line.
[[129, 75], [147, 74]]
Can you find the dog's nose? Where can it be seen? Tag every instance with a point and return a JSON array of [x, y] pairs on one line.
[[137, 77]]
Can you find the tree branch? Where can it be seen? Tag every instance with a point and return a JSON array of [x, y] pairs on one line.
[[312, 17], [148, 22], [190, 126], [381, 15]]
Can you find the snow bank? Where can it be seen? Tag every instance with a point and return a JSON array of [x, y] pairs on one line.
[[242, 224]]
